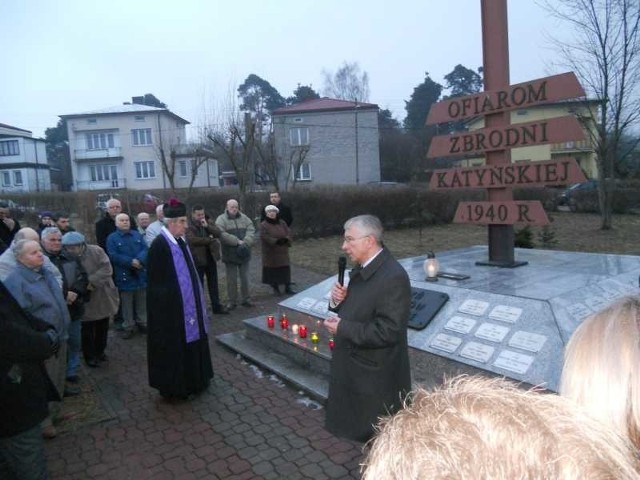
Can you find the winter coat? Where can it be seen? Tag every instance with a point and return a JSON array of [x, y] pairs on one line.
[[275, 253], [203, 242], [25, 387], [123, 247], [39, 295], [104, 299], [370, 372], [74, 279], [106, 226], [233, 230]]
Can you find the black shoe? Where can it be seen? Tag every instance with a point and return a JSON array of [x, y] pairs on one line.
[[247, 304], [127, 334], [73, 378], [103, 357], [231, 306], [93, 363], [142, 329], [290, 290], [71, 390], [220, 311]]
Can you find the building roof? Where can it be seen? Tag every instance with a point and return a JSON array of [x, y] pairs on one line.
[[127, 108], [324, 104], [11, 131]]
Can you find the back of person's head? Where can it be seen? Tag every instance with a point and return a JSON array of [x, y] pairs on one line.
[[479, 428], [602, 367]]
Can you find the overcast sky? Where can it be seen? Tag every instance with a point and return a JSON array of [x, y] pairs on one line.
[[66, 56]]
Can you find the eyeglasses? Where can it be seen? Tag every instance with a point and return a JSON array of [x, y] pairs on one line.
[[353, 239]]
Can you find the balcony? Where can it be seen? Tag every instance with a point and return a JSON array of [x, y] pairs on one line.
[[113, 184], [83, 154], [572, 147]]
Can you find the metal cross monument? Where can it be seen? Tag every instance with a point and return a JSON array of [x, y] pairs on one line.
[[499, 136]]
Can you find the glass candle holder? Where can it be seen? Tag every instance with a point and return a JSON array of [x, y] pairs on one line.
[[332, 344], [284, 322], [271, 321], [295, 328], [315, 337], [302, 331]]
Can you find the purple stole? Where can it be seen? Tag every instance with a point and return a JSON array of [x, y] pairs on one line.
[[189, 307]]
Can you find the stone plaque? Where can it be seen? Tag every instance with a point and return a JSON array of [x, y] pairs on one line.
[[447, 343], [321, 307], [306, 303], [596, 303], [477, 351], [505, 313], [460, 324], [474, 307], [531, 342], [579, 311], [492, 332], [514, 362]]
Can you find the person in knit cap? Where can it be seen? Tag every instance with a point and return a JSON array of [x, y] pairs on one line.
[[178, 353]]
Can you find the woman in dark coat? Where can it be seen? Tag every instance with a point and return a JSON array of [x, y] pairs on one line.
[[25, 389], [276, 240]]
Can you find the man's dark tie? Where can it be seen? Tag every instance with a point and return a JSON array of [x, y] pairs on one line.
[[355, 270]]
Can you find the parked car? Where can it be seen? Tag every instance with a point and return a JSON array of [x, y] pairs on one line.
[[567, 197]]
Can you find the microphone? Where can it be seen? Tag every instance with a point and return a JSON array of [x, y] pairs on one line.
[[342, 265]]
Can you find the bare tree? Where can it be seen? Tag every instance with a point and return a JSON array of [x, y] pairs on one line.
[[347, 83], [605, 55], [296, 156], [231, 135]]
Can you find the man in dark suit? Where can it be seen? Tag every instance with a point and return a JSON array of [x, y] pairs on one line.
[[370, 373]]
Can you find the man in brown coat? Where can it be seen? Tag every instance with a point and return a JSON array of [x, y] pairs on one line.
[[203, 238]]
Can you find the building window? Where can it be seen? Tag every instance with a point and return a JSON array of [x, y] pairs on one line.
[[183, 169], [298, 120], [17, 177], [100, 173], [145, 169], [139, 118], [92, 121], [299, 136], [304, 172], [6, 179], [141, 136], [9, 147], [99, 141]]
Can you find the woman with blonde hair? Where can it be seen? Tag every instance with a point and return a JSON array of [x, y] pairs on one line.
[[602, 367]]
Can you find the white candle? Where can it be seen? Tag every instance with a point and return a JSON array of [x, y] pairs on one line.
[[294, 328]]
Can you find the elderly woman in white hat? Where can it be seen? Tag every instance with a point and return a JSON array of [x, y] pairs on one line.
[[276, 240], [104, 299]]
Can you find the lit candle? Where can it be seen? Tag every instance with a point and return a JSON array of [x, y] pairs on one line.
[[294, 328], [302, 331], [314, 337], [271, 321], [284, 322], [332, 343]]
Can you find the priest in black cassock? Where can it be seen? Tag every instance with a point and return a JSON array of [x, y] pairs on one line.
[[177, 342]]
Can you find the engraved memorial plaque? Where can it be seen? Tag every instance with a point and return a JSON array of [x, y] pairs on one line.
[[595, 303], [477, 351], [447, 343], [460, 324], [531, 342], [492, 332], [579, 311], [505, 313], [306, 303], [474, 307], [321, 307], [514, 362]]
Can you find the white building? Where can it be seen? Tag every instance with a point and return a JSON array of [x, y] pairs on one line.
[[122, 147], [23, 161]]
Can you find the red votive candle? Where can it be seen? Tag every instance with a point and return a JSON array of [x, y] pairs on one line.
[[302, 331], [332, 343], [271, 321], [284, 322]]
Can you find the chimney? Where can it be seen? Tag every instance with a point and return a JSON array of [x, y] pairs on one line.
[[137, 100]]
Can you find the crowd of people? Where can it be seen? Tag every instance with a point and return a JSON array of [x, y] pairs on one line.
[[58, 294]]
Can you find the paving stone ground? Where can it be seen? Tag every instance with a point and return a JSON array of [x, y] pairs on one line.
[[247, 425]]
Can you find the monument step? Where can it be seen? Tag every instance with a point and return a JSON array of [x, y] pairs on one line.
[[280, 351]]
